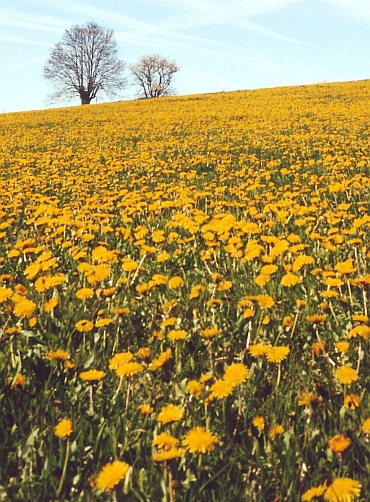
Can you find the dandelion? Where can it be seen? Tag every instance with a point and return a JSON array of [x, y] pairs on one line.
[[365, 427], [84, 293], [195, 388], [5, 294], [120, 358], [274, 430], [290, 280], [236, 374], [177, 334], [129, 369], [220, 389], [145, 409], [24, 308], [103, 322], [345, 267], [64, 428], [50, 305], [342, 490], [175, 282], [277, 354], [351, 401], [144, 353], [84, 326], [209, 332], [316, 491], [258, 349], [170, 413], [342, 347], [58, 354], [18, 381], [92, 375], [111, 474], [165, 441], [265, 301], [346, 375], [309, 398], [339, 443], [199, 440], [361, 330], [170, 454], [259, 422]]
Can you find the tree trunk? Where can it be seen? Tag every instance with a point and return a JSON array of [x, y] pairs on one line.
[[85, 98]]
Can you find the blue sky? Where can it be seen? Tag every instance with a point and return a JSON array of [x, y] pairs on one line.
[[219, 45]]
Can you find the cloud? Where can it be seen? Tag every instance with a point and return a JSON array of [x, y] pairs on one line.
[[356, 9]]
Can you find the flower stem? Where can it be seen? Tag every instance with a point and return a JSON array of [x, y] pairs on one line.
[[64, 472]]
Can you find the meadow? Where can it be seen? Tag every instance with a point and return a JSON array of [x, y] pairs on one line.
[[184, 298]]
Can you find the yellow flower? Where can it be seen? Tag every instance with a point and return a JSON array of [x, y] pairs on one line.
[[144, 353], [84, 325], [274, 430], [309, 398], [290, 280], [18, 381], [145, 409], [220, 389], [177, 334], [175, 282], [111, 474], [345, 267], [209, 332], [195, 388], [259, 422], [342, 490], [236, 374], [277, 354], [199, 440], [24, 308], [119, 358], [51, 304], [160, 361], [92, 375], [361, 330], [129, 369], [339, 443], [103, 322], [316, 491], [84, 293], [365, 428], [351, 401], [346, 375], [57, 354], [165, 441], [258, 349], [64, 428], [170, 413], [170, 454], [5, 294], [342, 347], [265, 301]]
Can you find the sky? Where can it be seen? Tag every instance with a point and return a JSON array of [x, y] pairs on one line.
[[219, 45]]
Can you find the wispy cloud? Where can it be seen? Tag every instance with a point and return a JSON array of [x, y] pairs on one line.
[[356, 9], [22, 40]]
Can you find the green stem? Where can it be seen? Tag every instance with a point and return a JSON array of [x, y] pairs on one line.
[[64, 472]]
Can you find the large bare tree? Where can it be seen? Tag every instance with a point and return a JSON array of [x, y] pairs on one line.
[[84, 63], [153, 74]]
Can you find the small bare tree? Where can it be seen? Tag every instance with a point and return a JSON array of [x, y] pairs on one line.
[[153, 74], [85, 63]]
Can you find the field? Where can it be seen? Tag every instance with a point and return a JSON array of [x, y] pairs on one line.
[[184, 299]]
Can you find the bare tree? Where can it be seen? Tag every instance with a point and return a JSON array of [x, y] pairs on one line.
[[153, 74], [85, 63]]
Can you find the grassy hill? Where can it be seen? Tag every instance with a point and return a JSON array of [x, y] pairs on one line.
[[184, 298]]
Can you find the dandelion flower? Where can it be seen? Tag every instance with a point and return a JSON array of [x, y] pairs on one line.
[[105, 321], [361, 330], [259, 422], [346, 375], [84, 326], [129, 369], [342, 347], [119, 358], [209, 332], [351, 401], [339, 443], [144, 353], [236, 373], [342, 490], [64, 428], [365, 428], [170, 413], [199, 440], [265, 301], [316, 491], [277, 354], [165, 441], [274, 430], [60, 354], [24, 308], [258, 349], [145, 409], [84, 293], [175, 282], [290, 280], [111, 474], [220, 389], [195, 388], [170, 454], [177, 334], [92, 375]]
